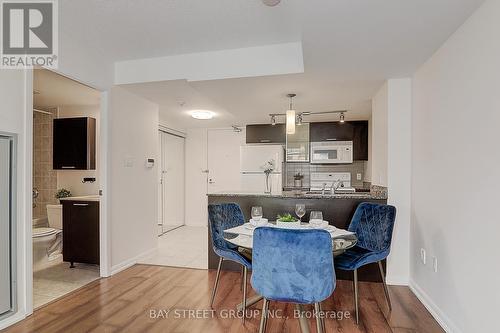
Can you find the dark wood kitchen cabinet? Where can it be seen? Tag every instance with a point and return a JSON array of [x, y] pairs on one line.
[[74, 143], [355, 131], [266, 133], [80, 231]]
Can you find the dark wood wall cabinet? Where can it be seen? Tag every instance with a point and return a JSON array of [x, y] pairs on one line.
[[74, 143], [355, 131], [80, 231], [266, 133]]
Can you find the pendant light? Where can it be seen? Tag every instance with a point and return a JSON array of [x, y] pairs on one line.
[[290, 116]]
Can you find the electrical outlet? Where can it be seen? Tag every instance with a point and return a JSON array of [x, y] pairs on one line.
[[435, 264], [358, 176], [422, 255]]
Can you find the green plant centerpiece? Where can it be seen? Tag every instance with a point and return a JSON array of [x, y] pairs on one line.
[[287, 221], [62, 193]]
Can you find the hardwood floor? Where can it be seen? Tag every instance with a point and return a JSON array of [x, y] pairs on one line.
[[123, 303]]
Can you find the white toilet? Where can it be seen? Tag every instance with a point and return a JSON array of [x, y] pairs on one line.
[[47, 241]]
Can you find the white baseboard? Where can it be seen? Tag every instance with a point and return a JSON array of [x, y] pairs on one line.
[[435, 311], [396, 280], [131, 262]]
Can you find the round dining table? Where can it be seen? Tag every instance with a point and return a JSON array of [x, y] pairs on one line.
[[243, 239]]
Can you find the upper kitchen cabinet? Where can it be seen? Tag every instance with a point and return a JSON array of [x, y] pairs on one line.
[[355, 131], [297, 144], [74, 144], [266, 134]]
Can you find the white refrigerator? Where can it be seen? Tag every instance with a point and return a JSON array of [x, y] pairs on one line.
[[252, 159]]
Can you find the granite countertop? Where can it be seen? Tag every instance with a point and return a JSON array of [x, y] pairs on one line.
[[83, 198], [291, 194]]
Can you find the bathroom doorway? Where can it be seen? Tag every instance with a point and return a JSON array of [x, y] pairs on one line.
[[60, 106]]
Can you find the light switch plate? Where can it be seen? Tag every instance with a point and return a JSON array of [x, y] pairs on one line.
[[422, 255], [358, 176]]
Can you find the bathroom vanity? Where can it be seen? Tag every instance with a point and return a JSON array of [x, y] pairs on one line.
[[81, 230]]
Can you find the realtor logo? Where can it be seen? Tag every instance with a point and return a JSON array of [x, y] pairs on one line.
[[29, 34]]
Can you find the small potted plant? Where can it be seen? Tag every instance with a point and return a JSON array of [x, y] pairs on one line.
[[297, 180], [287, 221], [62, 193]]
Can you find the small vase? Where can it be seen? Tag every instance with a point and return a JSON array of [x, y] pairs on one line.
[[268, 184]]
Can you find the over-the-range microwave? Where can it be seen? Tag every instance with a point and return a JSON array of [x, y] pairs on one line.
[[331, 152]]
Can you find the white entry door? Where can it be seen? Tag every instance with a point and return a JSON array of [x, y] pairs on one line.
[[224, 160], [172, 184]]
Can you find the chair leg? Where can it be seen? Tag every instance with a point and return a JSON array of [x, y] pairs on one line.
[[216, 281], [319, 321], [244, 303], [386, 291], [241, 278], [355, 282], [323, 322], [263, 319]]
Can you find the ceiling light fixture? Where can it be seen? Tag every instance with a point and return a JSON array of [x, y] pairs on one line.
[[271, 3], [299, 119], [202, 114], [273, 120], [290, 116]]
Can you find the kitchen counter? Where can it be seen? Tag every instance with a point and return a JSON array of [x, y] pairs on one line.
[[294, 195], [83, 198]]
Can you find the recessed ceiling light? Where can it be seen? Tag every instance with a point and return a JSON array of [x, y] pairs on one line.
[[202, 114], [271, 3]]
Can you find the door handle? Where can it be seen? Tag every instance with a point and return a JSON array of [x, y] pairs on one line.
[[80, 204], [68, 167], [265, 141], [332, 139]]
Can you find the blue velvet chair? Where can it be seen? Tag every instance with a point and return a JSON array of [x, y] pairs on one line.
[[222, 217], [373, 225], [293, 266]]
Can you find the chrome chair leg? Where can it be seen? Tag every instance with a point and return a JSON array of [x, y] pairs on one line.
[[386, 291], [323, 320], [216, 281], [241, 277], [244, 303], [355, 282], [263, 319], [319, 320]]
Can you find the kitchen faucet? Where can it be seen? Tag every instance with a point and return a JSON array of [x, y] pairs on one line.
[[336, 185]]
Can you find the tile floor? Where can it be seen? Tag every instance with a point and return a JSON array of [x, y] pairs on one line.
[[58, 280], [182, 247]]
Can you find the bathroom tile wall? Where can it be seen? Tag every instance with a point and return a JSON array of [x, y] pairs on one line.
[[305, 169], [44, 177]]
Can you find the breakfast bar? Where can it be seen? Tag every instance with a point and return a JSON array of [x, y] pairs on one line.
[[337, 209]]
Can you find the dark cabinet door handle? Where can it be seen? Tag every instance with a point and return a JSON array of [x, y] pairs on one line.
[[80, 204], [332, 139], [68, 167], [265, 141]]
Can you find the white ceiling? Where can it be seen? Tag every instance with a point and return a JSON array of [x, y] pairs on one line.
[[350, 47], [57, 90]]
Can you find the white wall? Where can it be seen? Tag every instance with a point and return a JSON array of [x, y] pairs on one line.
[[16, 118], [391, 166], [456, 132], [379, 133], [133, 199], [72, 179], [399, 176], [196, 181]]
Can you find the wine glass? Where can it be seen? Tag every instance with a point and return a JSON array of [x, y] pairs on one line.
[[256, 213], [316, 217], [300, 210]]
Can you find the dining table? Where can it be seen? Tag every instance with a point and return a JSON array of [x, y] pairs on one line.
[[242, 237]]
